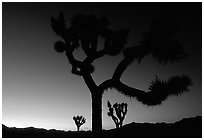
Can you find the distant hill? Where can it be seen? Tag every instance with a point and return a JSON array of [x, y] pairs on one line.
[[185, 128]]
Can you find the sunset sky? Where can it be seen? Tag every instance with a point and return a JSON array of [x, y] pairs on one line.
[[40, 91]]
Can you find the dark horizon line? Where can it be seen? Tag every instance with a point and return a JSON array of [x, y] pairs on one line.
[[89, 129]]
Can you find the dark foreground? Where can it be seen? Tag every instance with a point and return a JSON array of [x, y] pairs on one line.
[[186, 128]]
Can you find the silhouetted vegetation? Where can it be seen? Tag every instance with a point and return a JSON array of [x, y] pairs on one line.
[[79, 120], [117, 112], [186, 128], [159, 42]]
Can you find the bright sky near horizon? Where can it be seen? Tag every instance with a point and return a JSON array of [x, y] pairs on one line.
[[39, 90]]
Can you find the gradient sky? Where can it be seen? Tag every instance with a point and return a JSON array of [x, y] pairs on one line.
[[40, 91]]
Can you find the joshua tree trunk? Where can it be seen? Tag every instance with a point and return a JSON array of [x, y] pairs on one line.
[[77, 128], [96, 113], [121, 123], [96, 95], [117, 125]]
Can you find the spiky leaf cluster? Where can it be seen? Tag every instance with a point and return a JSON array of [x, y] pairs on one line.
[[85, 30], [159, 89], [159, 41]]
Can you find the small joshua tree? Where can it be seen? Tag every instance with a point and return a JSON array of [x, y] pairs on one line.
[[120, 111], [79, 120]]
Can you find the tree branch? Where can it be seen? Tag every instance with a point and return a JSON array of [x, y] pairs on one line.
[[79, 68], [122, 67], [158, 91], [90, 83], [76, 65], [96, 55]]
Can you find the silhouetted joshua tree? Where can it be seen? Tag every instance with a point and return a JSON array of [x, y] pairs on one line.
[[79, 120], [119, 115], [159, 42]]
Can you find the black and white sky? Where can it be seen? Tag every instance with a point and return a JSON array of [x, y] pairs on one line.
[[39, 90]]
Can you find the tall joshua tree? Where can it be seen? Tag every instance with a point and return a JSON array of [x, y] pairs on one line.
[[84, 32], [79, 120], [120, 112]]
